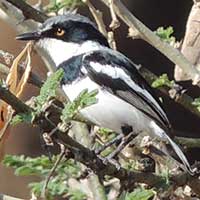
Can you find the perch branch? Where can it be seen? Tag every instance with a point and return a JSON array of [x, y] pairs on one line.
[[12, 100], [60, 157], [96, 163]]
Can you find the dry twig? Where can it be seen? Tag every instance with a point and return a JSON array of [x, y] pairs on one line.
[[60, 157]]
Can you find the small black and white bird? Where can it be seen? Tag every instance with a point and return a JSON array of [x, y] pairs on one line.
[[125, 100]]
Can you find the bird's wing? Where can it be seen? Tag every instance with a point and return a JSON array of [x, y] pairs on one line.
[[118, 75]]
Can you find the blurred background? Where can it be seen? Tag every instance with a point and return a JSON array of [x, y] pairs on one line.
[[154, 13]]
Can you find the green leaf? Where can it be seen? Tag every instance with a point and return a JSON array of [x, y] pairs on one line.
[[48, 90], [165, 34], [22, 117], [196, 103], [83, 100], [41, 167], [163, 80], [36, 188], [13, 161], [25, 171], [55, 5], [105, 132], [140, 194], [77, 195], [56, 187]]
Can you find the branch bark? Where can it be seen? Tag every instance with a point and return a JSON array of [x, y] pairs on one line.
[[95, 162], [28, 11], [12, 100]]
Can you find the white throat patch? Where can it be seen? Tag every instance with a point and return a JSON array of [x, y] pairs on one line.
[[60, 51]]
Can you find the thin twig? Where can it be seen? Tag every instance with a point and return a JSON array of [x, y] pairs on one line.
[[188, 142], [111, 40], [98, 16], [53, 169], [115, 22], [28, 11]]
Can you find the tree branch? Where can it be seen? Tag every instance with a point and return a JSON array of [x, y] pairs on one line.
[[95, 162], [173, 54], [12, 100], [28, 11], [188, 142]]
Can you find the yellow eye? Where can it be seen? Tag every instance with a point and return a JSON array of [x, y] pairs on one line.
[[60, 32]]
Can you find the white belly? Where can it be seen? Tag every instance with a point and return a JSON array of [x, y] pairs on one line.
[[110, 111]]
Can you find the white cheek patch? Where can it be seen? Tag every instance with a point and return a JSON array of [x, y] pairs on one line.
[[61, 51], [58, 50]]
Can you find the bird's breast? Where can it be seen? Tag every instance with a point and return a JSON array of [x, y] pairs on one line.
[[109, 111]]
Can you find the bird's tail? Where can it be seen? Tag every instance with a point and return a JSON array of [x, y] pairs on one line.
[[180, 154], [161, 133]]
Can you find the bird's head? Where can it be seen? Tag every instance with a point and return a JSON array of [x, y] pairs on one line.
[[65, 36]]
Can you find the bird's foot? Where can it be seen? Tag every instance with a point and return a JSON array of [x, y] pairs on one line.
[[196, 169], [108, 144], [107, 160]]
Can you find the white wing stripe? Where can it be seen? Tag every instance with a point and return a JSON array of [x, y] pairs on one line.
[[116, 72]]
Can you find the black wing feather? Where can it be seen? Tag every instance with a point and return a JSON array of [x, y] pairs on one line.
[[120, 88]]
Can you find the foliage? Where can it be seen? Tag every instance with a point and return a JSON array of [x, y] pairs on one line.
[[56, 5], [139, 194], [166, 34], [163, 80], [66, 169], [23, 117], [40, 167], [47, 92], [196, 103], [83, 100]]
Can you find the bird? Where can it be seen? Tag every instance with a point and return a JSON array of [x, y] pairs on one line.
[[125, 101]]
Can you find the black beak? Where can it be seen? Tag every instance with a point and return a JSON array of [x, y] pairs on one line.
[[29, 36]]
